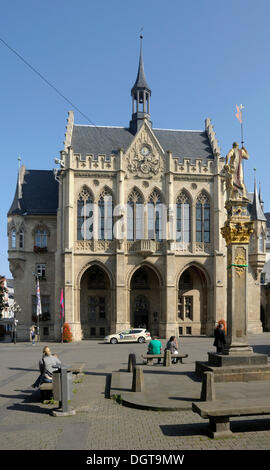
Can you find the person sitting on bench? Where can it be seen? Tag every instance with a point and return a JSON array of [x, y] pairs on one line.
[[47, 365], [154, 347], [173, 347]]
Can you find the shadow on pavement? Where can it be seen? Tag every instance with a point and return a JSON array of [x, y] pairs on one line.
[[180, 430], [29, 401]]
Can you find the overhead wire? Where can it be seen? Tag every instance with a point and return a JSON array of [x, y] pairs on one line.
[[54, 88]]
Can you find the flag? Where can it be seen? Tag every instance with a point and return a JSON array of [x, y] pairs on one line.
[[62, 304], [239, 113], [38, 299]]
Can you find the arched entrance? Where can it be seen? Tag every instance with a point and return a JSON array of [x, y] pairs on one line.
[[192, 302], [95, 302], [145, 299]]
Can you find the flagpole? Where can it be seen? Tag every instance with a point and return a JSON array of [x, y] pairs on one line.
[[62, 314], [242, 133]]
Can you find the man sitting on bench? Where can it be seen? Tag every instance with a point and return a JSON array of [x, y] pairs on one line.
[[154, 347], [47, 366]]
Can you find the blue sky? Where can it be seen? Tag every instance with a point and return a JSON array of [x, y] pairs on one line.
[[201, 57]]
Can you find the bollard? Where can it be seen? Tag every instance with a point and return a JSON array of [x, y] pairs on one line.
[[167, 358], [208, 387], [131, 362], [138, 380]]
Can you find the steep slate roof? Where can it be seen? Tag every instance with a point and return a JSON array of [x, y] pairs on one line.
[[37, 194], [267, 216], [256, 210], [91, 140]]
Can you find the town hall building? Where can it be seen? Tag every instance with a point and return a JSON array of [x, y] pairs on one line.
[[129, 226]]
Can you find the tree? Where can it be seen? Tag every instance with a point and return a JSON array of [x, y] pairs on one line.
[[67, 335]]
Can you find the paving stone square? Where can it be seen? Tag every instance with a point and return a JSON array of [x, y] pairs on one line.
[[101, 423]]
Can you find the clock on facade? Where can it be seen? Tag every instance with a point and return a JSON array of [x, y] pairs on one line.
[[145, 150]]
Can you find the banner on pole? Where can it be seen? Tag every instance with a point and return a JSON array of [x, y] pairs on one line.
[[39, 312], [62, 311], [239, 113]]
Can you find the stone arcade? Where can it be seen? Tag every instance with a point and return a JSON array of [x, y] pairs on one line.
[[130, 227]]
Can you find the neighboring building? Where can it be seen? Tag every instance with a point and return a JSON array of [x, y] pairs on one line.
[[265, 281], [167, 270], [6, 318], [3, 283]]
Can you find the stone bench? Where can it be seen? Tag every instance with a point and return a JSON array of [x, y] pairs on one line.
[[46, 391], [219, 412], [149, 358]]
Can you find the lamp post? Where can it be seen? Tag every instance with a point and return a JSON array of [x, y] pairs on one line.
[[37, 276]]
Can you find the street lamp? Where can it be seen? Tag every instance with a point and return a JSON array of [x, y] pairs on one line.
[[37, 276]]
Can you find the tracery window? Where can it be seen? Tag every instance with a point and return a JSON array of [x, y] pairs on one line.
[[13, 238], [203, 219], [105, 216], [135, 216], [155, 216], [85, 213], [183, 218]]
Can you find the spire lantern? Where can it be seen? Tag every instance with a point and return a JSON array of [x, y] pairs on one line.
[[140, 93]]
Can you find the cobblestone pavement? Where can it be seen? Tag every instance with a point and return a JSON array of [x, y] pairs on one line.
[[101, 423]]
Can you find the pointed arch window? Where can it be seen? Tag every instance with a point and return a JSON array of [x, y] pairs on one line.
[[105, 216], [183, 218], [203, 219], [156, 217], [21, 238], [85, 215], [135, 216], [13, 238]]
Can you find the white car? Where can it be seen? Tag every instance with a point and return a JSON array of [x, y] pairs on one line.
[[138, 335]]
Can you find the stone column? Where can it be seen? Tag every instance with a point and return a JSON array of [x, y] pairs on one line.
[[237, 231]]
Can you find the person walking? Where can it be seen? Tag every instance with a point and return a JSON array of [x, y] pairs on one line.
[[173, 347], [220, 340], [33, 335]]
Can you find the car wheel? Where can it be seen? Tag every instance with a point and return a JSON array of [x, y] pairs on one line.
[[113, 341], [141, 339]]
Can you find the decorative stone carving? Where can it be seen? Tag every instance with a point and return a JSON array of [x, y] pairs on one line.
[[240, 261], [237, 232], [144, 164]]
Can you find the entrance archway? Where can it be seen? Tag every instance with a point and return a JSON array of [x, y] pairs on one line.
[[192, 302], [145, 299], [95, 302]]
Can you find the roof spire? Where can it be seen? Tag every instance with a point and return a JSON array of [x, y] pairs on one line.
[[140, 93], [256, 210]]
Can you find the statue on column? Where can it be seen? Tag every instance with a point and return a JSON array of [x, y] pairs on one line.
[[234, 172]]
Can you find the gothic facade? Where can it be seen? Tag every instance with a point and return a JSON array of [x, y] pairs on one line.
[[129, 226]]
